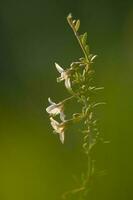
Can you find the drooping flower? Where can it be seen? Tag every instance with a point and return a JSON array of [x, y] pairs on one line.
[[55, 109], [65, 75], [58, 128]]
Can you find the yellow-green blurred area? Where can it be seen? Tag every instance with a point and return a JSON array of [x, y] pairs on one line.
[[34, 165]]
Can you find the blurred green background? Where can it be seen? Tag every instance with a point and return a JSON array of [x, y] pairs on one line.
[[34, 34]]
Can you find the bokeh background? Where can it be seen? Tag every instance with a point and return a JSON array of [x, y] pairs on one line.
[[34, 34]]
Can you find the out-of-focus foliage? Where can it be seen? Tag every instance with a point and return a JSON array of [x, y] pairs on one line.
[[34, 165]]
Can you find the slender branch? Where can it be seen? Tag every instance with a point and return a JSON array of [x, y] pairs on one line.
[[67, 99], [69, 19], [74, 191]]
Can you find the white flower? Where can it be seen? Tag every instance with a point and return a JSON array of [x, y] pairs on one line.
[[58, 128], [55, 109], [65, 75]]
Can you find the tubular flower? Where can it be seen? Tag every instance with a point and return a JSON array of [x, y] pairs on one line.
[[65, 75], [58, 128], [55, 109]]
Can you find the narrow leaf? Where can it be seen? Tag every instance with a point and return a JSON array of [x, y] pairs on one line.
[[99, 88], [93, 57], [74, 21], [77, 25], [84, 38], [81, 37], [87, 49]]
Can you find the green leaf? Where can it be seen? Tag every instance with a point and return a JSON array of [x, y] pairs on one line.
[[99, 88], [81, 37], [93, 57], [87, 49], [84, 72], [77, 25], [84, 38]]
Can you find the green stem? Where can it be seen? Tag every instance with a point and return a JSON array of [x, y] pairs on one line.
[[67, 99], [78, 38]]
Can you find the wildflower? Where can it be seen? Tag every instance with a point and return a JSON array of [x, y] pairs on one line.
[[65, 75], [55, 109], [58, 128]]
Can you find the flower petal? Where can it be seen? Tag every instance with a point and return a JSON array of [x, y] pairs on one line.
[[59, 69], [64, 75], [53, 109], [59, 79], [50, 101], [62, 116], [61, 135], [68, 83], [54, 124], [58, 128]]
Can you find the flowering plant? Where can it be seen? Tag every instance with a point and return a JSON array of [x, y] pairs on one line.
[[78, 80]]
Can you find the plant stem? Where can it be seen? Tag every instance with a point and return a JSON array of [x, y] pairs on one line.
[[78, 38]]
